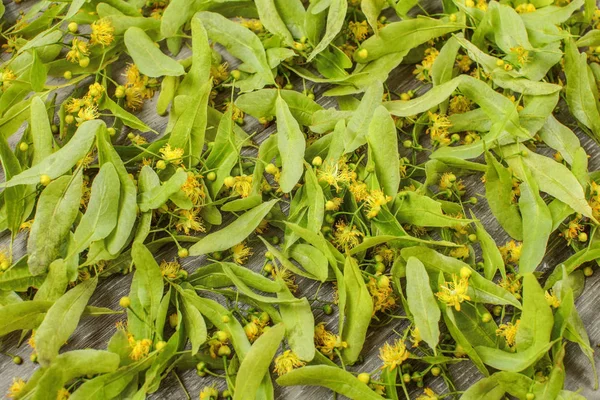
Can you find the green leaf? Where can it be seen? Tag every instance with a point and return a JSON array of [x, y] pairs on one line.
[[63, 160], [270, 18], [358, 311], [383, 150], [334, 378], [100, 217], [149, 59], [299, 325], [315, 201], [492, 259], [262, 103], [537, 225], [498, 188], [358, 125], [422, 303], [146, 290], [43, 140], [159, 195], [256, 363], [224, 153], [405, 35], [56, 211], [416, 209], [291, 144], [335, 22], [61, 320], [234, 233], [195, 326], [580, 97], [241, 43]]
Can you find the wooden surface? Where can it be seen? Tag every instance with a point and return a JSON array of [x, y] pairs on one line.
[[95, 332]]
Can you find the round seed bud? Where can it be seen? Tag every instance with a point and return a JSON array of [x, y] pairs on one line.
[[380, 267], [183, 252], [530, 396], [317, 161], [436, 371], [364, 378], [330, 205], [588, 271], [224, 351], [125, 302], [221, 336], [84, 62], [68, 75], [473, 237], [497, 311], [23, 146], [487, 317], [69, 119], [73, 27], [327, 309], [120, 92], [582, 237], [17, 360], [225, 319], [465, 272], [45, 180], [161, 164], [211, 176], [362, 54], [235, 74], [229, 181], [271, 169], [406, 378], [160, 345]]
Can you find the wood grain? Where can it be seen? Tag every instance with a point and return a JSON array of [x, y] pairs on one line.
[[95, 332]]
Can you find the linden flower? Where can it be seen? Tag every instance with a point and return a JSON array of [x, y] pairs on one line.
[[241, 185], [386, 253], [455, 292], [551, 298], [460, 104], [382, 294], [595, 199], [15, 388], [521, 54], [4, 260], [286, 276], [189, 221], [79, 50], [87, 114], [463, 63], [415, 337], [508, 332], [346, 236], [240, 253], [375, 201], [171, 155], [219, 73], [511, 252], [253, 24], [326, 342], [134, 98], [193, 189], [25, 226], [139, 348], [359, 30], [209, 393], [63, 394], [74, 105], [438, 131], [286, 362], [572, 231], [393, 355], [94, 93], [170, 270], [252, 331], [6, 78], [422, 70], [335, 174], [102, 32], [359, 190], [460, 252], [428, 394]]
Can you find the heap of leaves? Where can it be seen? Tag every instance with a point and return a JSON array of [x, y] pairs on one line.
[[366, 198]]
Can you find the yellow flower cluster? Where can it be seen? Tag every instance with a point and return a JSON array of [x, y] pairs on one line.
[[171, 155], [346, 237], [286, 276], [358, 30], [286, 362], [242, 185], [422, 70], [240, 253], [382, 294], [253, 24], [438, 129], [139, 348], [170, 269], [138, 88], [393, 355], [455, 292], [511, 252], [508, 332], [326, 341], [189, 220], [7, 76], [375, 201], [513, 284], [80, 50], [102, 32]]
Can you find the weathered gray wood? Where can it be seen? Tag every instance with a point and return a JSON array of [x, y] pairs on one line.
[[95, 332]]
